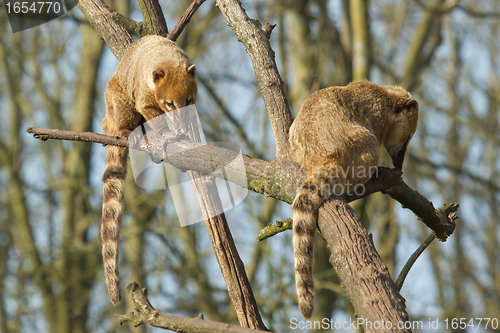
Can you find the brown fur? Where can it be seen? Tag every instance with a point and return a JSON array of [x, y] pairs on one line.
[[336, 136], [154, 77]]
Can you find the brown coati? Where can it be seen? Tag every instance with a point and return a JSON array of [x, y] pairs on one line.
[[154, 77], [336, 136]]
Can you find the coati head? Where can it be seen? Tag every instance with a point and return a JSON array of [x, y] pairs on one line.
[[175, 87], [401, 129]]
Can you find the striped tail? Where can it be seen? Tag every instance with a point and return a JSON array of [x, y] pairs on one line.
[[115, 170], [305, 207]]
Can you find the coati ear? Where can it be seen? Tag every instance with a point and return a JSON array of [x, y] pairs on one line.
[[412, 106], [192, 70], [158, 75]]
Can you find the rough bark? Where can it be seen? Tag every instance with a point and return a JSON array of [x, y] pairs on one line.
[[101, 18], [255, 38], [230, 263], [153, 18], [364, 277], [145, 314]]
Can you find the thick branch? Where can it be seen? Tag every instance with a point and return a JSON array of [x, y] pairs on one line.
[[255, 38], [115, 28], [386, 179], [145, 314], [153, 18], [184, 19], [276, 181], [129, 24], [101, 17], [365, 278], [231, 266], [437, 220]]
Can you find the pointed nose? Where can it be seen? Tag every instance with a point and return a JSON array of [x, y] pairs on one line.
[[399, 158]]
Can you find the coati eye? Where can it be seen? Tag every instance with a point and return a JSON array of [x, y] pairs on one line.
[[170, 104], [189, 100]]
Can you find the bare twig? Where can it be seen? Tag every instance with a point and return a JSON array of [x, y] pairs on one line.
[[44, 134], [184, 20], [406, 269], [447, 210], [145, 313], [275, 228]]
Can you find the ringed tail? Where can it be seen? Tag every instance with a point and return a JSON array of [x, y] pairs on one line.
[[115, 170], [305, 215]]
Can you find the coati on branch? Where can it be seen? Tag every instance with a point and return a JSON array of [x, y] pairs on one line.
[[336, 136], [154, 76]]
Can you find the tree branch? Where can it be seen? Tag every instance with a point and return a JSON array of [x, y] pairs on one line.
[[184, 20], [153, 18], [115, 28], [366, 280], [45, 134], [145, 313], [449, 210], [129, 24], [438, 221], [276, 181], [231, 266], [347, 240], [255, 38], [101, 18]]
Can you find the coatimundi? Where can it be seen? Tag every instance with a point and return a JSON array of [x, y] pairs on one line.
[[336, 136], [154, 76]]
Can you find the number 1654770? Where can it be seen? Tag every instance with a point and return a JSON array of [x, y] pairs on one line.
[[474, 323], [35, 7]]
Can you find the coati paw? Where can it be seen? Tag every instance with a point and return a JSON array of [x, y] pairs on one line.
[[134, 140], [171, 137], [156, 148], [157, 153]]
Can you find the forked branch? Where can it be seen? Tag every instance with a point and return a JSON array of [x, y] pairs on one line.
[[145, 313], [184, 19]]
